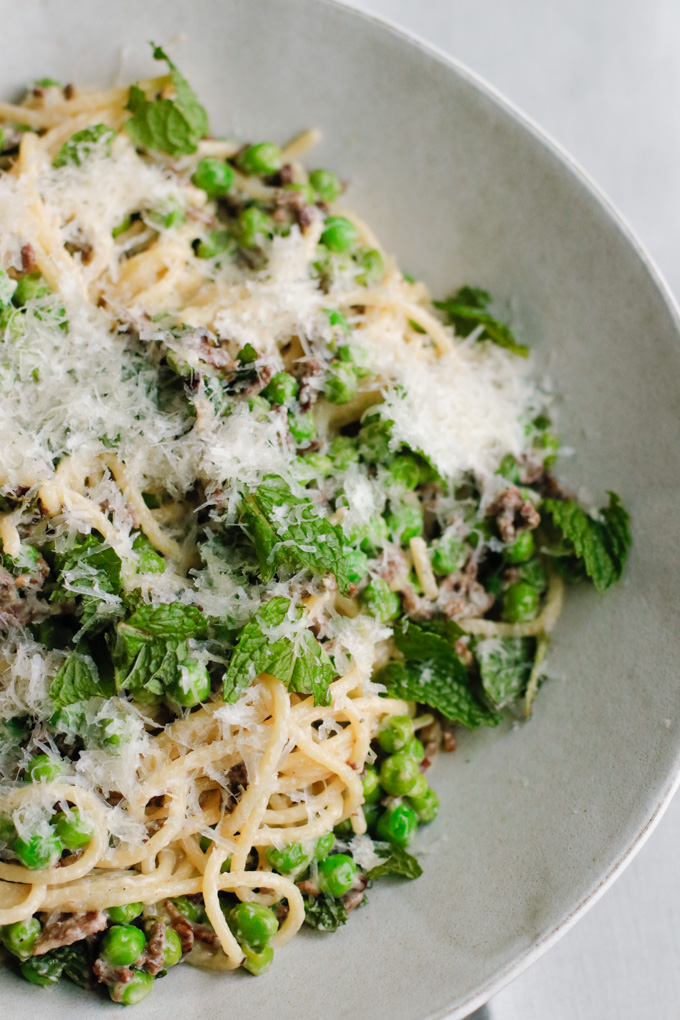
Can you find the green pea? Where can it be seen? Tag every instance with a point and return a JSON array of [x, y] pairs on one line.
[[340, 384], [122, 945], [42, 970], [326, 184], [125, 913], [307, 192], [522, 549], [38, 851], [336, 318], [32, 286], [302, 427], [405, 472], [260, 406], [356, 356], [371, 537], [415, 749], [419, 788], [396, 733], [371, 815], [533, 572], [187, 908], [132, 992], [344, 830], [263, 158], [19, 938], [218, 242], [344, 452], [253, 924], [339, 234], [318, 464], [293, 857], [337, 875], [193, 685], [399, 773], [371, 785], [380, 601], [213, 176], [324, 845], [73, 829], [520, 602], [356, 565], [281, 389], [397, 825], [257, 962], [405, 522], [373, 267], [374, 441], [425, 806], [124, 225], [448, 554], [172, 951]]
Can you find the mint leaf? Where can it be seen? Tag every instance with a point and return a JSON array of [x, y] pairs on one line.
[[467, 309], [83, 145], [152, 642], [505, 666], [150, 561], [298, 661], [287, 531], [88, 573], [325, 913], [172, 620], [174, 125], [600, 543], [77, 680], [433, 675], [396, 862]]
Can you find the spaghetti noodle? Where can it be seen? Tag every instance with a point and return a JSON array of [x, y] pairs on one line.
[[269, 519]]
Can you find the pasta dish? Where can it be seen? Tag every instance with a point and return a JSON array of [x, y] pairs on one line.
[[272, 523]]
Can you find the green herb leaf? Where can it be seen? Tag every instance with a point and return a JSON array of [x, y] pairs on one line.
[[83, 145], [298, 661], [150, 561], [174, 125], [433, 675], [88, 573], [396, 862], [324, 913], [77, 680], [287, 531], [467, 309], [600, 543], [505, 666], [151, 643]]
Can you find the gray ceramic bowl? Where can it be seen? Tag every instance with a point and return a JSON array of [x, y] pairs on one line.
[[538, 819]]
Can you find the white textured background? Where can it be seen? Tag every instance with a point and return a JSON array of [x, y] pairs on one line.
[[603, 78]]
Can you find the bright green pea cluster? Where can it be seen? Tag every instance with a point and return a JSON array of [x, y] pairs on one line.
[[281, 389], [192, 685], [397, 797], [380, 601]]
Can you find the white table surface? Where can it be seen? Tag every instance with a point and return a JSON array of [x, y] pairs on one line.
[[603, 78]]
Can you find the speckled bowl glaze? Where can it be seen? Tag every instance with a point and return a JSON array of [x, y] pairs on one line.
[[537, 819]]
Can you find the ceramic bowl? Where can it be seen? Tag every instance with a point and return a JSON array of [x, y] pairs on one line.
[[537, 819]]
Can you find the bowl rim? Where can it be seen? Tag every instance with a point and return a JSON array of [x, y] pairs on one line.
[[664, 795]]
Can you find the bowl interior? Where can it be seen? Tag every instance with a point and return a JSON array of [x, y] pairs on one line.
[[461, 190]]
